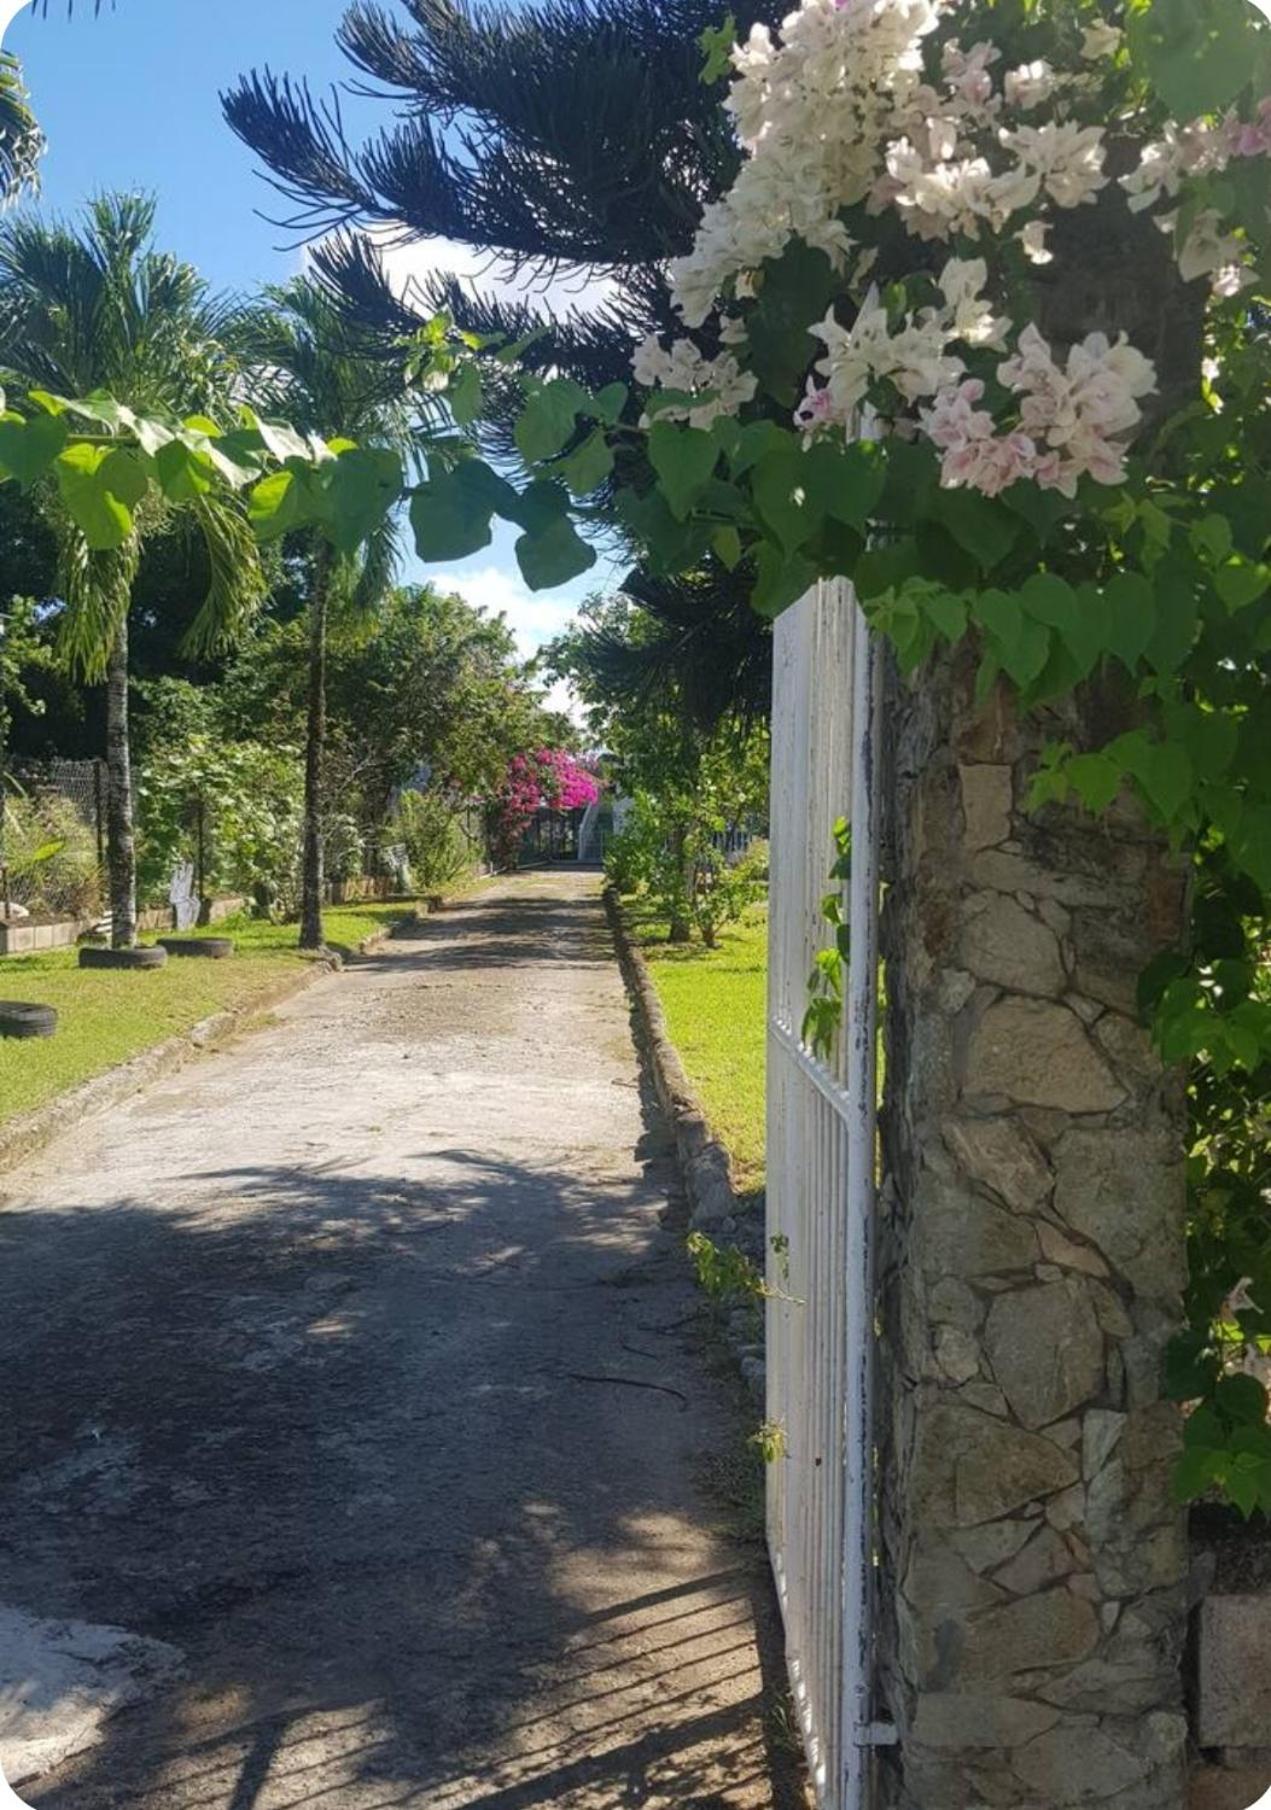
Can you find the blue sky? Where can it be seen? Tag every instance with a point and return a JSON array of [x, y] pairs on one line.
[[130, 99]]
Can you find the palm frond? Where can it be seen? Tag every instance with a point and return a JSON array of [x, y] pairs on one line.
[[21, 140], [238, 589], [97, 589]]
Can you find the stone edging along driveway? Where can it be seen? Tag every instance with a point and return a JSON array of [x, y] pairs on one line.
[[23, 1136], [703, 1159]]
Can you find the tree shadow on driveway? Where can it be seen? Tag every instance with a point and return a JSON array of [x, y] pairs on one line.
[[405, 1469]]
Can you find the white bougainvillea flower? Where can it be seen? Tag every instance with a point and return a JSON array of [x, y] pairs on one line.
[[1100, 40], [1068, 159], [1033, 239], [1030, 85]]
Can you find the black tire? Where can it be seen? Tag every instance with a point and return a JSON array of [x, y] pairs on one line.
[[122, 958], [17, 1019], [211, 948]]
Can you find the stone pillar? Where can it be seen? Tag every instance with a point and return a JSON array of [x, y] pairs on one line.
[[1032, 1595]]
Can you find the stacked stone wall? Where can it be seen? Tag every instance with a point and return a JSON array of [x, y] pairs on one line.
[[1032, 1590]]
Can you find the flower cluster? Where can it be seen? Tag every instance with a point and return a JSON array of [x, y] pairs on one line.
[[548, 778], [915, 358], [720, 382], [1072, 420], [864, 112]]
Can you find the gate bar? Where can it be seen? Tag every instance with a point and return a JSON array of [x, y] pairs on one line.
[[859, 1731]]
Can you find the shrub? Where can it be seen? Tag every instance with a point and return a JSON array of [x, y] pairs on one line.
[[51, 856], [436, 845]]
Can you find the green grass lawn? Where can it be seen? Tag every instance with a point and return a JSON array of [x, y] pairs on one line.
[[715, 1002], [106, 1018]]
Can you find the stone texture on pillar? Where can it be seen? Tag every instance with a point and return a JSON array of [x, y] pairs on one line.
[[1032, 1592]]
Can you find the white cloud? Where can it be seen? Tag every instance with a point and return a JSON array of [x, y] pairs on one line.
[[9, 10], [532, 620], [409, 263]]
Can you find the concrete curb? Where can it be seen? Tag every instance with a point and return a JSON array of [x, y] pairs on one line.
[[703, 1159], [24, 1136], [716, 1207]]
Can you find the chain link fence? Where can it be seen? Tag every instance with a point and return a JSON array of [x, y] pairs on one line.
[[52, 839]]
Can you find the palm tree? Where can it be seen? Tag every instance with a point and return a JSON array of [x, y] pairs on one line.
[[99, 308], [21, 141], [309, 364]]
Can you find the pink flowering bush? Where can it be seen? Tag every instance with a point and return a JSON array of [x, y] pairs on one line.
[[545, 779]]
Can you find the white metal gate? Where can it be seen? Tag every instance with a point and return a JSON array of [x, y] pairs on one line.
[[821, 1183]]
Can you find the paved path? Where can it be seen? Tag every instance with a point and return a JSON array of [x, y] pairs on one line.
[[356, 1364]]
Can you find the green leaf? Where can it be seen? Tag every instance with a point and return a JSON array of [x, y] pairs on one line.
[[1242, 1400], [587, 467], [851, 480], [184, 474], [275, 505], [547, 421], [1163, 770], [1018, 642], [755, 439], [358, 490], [483, 487], [717, 43], [727, 546], [1199, 55], [281, 442], [786, 496], [553, 555], [1096, 780], [912, 483], [1250, 844], [1130, 607], [537, 506], [780, 579], [796, 290], [683, 458], [98, 493], [948, 613], [1211, 538], [1238, 585], [986, 529], [450, 519], [608, 403], [1197, 1470], [1052, 600], [28, 448], [465, 395], [1174, 634]]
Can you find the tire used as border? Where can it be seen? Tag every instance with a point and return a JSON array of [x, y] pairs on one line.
[[91, 957], [19, 1018], [211, 948]]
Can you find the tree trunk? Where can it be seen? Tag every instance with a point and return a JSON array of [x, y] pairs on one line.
[[121, 852], [313, 873], [681, 919]]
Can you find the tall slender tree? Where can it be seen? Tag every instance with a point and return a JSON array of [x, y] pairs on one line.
[[557, 136], [99, 307], [311, 364]]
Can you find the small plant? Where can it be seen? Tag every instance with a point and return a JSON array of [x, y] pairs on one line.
[[824, 1015], [724, 1273], [770, 1440]]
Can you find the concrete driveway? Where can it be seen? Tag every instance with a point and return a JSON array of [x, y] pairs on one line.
[[354, 1380]]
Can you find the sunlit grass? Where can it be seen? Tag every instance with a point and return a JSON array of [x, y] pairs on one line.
[[715, 1003], [106, 1018]]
